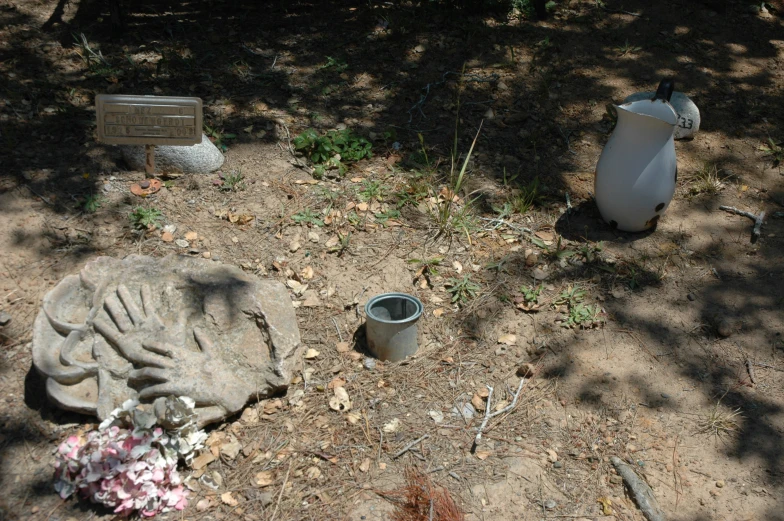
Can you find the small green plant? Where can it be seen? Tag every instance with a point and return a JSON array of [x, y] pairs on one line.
[[774, 151], [571, 296], [720, 423], [92, 203], [634, 283], [584, 315], [328, 152], [337, 64], [344, 239], [371, 190], [530, 294], [524, 200], [417, 189], [462, 289], [307, 216], [627, 48], [427, 267], [383, 217], [218, 137], [590, 251], [233, 182], [146, 218]]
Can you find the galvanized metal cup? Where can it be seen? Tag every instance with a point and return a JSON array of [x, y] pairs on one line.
[[391, 329]]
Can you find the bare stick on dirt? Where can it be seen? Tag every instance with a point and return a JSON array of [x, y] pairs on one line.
[[285, 481], [489, 415], [410, 446], [758, 219], [643, 495]]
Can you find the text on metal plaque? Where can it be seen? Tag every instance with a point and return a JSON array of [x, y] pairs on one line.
[[148, 120]]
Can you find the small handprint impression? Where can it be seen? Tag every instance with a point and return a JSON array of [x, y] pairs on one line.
[[166, 365], [146, 327]]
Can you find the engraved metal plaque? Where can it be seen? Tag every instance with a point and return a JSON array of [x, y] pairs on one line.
[[148, 120]]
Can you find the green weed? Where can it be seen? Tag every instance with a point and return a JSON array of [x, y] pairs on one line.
[[218, 137], [383, 217], [773, 150], [462, 289], [92, 203], [145, 218], [233, 182], [627, 48], [329, 151], [307, 216], [371, 190]]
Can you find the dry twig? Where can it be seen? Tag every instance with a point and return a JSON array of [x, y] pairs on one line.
[[642, 493], [758, 219], [489, 415], [410, 446]]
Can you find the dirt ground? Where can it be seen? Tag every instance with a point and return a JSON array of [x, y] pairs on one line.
[[677, 369]]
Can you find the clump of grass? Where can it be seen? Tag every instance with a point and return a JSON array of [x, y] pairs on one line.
[[233, 182], [708, 180], [720, 423]]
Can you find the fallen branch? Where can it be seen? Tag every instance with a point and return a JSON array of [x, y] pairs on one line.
[[643, 495], [758, 219], [489, 415], [750, 369], [410, 446]]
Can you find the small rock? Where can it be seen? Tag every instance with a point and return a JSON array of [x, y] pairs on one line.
[[420, 49], [5, 318], [265, 498], [502, 86], [369, 363], [489, 114], [557, 464], [665, 396], [617, 480], [726, 327], [692, 297], [539, 274], [720, 483], [313, 237], [549, 504], [182, 243], [294, 246]]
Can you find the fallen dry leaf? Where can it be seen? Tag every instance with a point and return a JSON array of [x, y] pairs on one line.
[[202, 460], [353, 417], [500, 405], [167, 237], [307, 273], [338, 381], [340, 402], [482, 454], [228, 499], [265, 478], [313, 473], [509, 340], [357, 179], [606, 505], [362, 207], [203, 505], [391, 426], [191, 236], [272, 406], [478, 403], [483, 392], [332, 241], [365, 465], [457, 266], [438, 312], [343, 347], [311, 353], [545, 235]]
